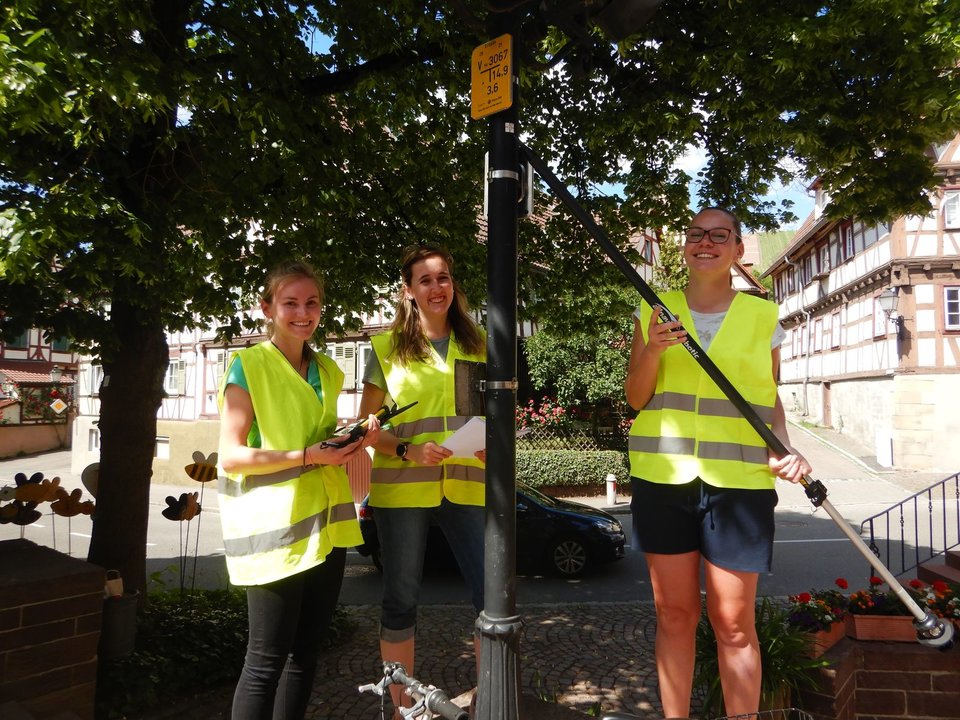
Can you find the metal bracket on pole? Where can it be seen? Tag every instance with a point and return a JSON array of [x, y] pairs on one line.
[[931, 631]]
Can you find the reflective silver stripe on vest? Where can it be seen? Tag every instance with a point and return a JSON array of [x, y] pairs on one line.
[[285, 537], [721, 407], [732, 451], [668, 445], [466, 473], [672, 401], [419, 427], [236, 489], [396, 475]]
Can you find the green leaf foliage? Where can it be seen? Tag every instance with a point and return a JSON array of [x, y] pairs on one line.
[[156, 159], [785, 656]]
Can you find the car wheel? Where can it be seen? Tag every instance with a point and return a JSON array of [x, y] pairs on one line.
[[377, 560], [568, 557]]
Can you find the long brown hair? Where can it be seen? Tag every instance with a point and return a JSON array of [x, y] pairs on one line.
[[410, 342]]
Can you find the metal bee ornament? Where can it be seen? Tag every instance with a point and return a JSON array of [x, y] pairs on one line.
[[202, 469], [185, 507]]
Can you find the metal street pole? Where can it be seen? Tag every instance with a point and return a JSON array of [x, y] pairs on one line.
[[499, 625]]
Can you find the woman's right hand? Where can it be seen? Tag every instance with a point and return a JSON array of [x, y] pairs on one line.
[[330, 452], [428, 454], [663, 335]]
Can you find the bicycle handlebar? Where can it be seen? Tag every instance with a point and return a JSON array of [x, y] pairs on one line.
[[428, 698]]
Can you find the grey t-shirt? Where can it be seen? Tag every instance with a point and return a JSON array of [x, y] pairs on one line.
[[373, 372]]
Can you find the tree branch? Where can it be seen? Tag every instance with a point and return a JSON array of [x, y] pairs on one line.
[[391, 62]]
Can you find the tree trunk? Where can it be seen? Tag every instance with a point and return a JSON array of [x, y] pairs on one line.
[[129, 399]]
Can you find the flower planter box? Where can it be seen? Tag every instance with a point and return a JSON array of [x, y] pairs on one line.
[[897, 628], [823, 640]]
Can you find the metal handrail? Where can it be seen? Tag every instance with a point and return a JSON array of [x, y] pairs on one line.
[[935, 529]]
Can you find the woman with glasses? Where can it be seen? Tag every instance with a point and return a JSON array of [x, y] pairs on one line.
[[703, 480]]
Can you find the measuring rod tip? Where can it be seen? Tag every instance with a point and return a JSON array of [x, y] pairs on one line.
[[940, 636]]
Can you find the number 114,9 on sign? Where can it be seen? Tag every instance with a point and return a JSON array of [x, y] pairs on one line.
[[491, 82]]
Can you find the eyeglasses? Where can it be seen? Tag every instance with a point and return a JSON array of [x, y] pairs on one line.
[[718, 236]]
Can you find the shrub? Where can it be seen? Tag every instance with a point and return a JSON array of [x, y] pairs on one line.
[[784, 655], [184, 645], [571, 468]]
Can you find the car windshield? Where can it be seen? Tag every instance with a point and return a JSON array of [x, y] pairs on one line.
[[536, 494]]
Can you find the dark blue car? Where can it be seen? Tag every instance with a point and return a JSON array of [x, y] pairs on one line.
[[558, 536]]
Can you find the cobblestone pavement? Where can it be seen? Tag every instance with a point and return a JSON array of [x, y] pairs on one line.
[[577, 656]]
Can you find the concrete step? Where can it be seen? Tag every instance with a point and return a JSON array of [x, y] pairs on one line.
[[12, 710], [931, 571], [953, 558]]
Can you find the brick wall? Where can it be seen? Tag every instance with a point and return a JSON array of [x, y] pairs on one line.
[[50, 607], [887, 681]]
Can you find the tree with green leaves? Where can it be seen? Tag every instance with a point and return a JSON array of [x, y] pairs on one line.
[[156, 158], [585, 365]]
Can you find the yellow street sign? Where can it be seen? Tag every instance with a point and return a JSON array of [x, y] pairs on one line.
[[491, 77]]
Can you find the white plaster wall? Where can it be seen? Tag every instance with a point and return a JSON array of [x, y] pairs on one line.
[[917, 411]]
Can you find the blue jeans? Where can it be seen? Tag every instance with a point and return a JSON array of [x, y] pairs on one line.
[[288, 621], [403, 540]]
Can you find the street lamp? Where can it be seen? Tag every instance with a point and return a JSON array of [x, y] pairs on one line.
[[56, 372], [888, 301]]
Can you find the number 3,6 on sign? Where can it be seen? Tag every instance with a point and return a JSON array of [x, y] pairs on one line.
[[491, 82]]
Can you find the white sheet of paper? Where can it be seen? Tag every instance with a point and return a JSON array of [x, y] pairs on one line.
[[468, 439]]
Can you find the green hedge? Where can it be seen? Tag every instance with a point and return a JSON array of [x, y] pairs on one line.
[[581, 469]]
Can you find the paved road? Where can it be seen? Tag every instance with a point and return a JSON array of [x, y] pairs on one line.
[[810, 550]]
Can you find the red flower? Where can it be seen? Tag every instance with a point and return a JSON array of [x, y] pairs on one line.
[[874, 580], [940, 586], [916, 584], [804, 597], [841, 583]]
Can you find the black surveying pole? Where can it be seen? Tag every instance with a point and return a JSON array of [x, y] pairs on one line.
[[499, 625]]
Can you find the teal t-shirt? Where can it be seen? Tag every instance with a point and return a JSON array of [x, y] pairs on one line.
[[235, 376]]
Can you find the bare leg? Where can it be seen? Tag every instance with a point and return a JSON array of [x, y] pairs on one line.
[[399, 652], [676, 592], [731, 598]]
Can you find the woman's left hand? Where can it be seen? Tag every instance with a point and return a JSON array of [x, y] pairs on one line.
[[793, 466], [372, 436]]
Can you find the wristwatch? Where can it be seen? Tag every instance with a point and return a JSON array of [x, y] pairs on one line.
[[402, 450]]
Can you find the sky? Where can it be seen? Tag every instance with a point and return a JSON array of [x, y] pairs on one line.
[[695, 159]]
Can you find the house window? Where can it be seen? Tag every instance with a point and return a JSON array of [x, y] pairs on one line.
[[175, 381], [806, 269], [345, 355], [846, 241], [951, 209], [951, 308], [818, 335], [364, 349], [879, 319], [823, 260], [61, 344], [20, 341], [95, 375], [93, 439], [162, 448], [835, 330]]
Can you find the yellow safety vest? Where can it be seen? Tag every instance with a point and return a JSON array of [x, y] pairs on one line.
[[282, 523], [404, 483], [689, 428]]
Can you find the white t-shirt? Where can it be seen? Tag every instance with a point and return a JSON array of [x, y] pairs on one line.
[[708, 324]]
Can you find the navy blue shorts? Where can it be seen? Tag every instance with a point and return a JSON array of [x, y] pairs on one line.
[[731, 528]]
